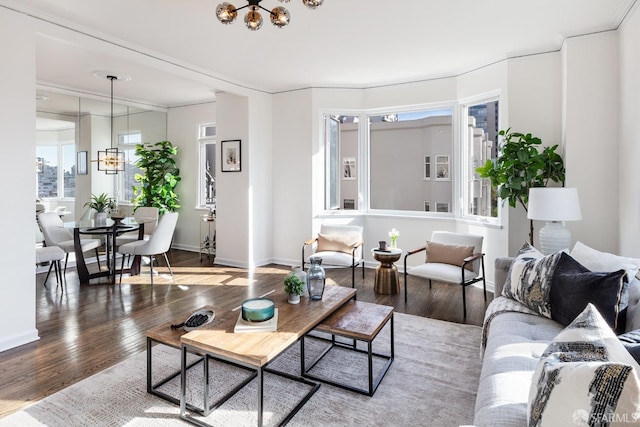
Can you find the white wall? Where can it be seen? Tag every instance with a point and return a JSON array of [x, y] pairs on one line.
[[629, 137], [591, 136], [182, 130], [17, 127]]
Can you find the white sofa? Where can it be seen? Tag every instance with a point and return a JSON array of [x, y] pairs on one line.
[[514, 344]]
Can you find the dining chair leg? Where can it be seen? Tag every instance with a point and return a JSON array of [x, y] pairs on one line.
[[49, 272], [168, 265], [122, 268], [66, 258], [151, 267], [98, 259]]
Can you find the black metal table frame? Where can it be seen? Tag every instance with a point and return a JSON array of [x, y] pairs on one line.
[[373, 385], [259, 374], [111, 232], [206, 409]]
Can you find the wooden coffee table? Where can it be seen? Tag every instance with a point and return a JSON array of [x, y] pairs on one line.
[[359, 321], [255, 350]]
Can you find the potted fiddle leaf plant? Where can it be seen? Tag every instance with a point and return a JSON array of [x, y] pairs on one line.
[[160, 175], [293, 287], [520, 165]]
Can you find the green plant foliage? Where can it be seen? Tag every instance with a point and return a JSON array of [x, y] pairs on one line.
[[160, 178], [520, 166], [100, 203], [293, 285]]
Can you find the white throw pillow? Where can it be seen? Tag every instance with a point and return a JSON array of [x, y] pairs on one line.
[[585, 377], [595, 260]]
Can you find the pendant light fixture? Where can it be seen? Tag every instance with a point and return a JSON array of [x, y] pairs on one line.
[[110, 160], [279, 16]]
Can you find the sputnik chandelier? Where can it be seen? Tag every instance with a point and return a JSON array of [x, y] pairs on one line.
[[279, 16]]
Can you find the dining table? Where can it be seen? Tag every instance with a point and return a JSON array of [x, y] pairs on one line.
[[109, 230]]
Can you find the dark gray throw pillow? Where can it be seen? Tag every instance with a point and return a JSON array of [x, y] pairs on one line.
[[631, 341], [573, 286]]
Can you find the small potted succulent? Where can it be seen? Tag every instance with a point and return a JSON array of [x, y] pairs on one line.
[[293, 287]]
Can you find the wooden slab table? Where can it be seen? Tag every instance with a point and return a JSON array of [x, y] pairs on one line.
[[256, 349]]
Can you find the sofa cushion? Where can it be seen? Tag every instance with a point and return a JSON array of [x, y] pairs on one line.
[[441, 253], [595, 260], [631, 341], [574, 286], [584, 376], [514, 345], [529, 279]]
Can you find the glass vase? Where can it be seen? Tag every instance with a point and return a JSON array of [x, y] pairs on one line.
[[300, 274], [315, 279]]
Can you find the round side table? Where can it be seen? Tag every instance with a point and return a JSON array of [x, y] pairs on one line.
[[387, 280]]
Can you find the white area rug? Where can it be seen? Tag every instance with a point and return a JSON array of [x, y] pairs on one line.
[[432, 382]]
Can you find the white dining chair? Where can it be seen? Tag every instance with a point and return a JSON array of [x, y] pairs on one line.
[[147, 215], [55, 234], [159, 243]]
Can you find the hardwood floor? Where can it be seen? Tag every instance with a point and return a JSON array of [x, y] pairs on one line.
[[88, 328]]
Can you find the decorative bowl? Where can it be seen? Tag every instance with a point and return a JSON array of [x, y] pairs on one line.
[[199, 318], [258, 309]]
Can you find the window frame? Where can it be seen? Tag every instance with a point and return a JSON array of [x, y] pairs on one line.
[[203, 141], [458, 160], [129, 160], [465, 104], [60, 187]]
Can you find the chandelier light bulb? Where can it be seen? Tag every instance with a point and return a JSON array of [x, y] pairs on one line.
[[312, 4], [226, 13], [253, 20], [280, 17]]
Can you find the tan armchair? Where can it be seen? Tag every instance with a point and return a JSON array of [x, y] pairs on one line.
[[451, 258]]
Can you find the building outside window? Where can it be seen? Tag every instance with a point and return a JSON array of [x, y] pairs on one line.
[[56, 170]]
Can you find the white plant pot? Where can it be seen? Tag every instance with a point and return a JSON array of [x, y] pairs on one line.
[[100, 218], [294, 299]]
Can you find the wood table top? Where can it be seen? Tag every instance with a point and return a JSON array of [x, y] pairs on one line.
[[357, 319], [259, 348]]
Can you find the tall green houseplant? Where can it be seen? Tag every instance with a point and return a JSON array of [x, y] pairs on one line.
[[521, 166], [159, 178]]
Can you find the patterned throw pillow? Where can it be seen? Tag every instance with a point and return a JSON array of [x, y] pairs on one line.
[[585, 377], [529, 279]]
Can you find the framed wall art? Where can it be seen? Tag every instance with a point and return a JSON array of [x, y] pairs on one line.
[[230, 156]]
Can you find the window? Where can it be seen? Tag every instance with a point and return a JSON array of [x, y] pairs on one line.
[[55, 182], [481, 143], [427, 167], [442, 168], [421, 161], [442, 207], [126, 180], [398, 178], [207, 164], [341, 142]]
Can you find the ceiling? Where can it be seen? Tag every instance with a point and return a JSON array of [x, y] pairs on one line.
[[177, 53]]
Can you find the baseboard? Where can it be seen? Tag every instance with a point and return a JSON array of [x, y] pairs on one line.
[[13, 341]]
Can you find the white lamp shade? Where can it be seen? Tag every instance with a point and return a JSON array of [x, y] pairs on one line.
[[554, 204]]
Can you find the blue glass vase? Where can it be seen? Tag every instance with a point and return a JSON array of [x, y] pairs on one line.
[[315, 279]]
